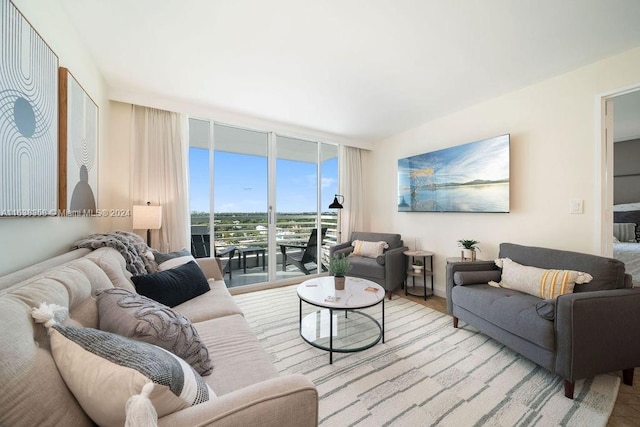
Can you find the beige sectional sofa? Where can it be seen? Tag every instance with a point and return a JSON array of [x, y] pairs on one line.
[[249, 390]]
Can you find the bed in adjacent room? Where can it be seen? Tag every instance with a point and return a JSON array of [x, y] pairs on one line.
[[626, 232]]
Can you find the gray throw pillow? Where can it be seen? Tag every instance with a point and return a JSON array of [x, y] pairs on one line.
[[475, 277], [162, 257], [135, 316], [546, 309]]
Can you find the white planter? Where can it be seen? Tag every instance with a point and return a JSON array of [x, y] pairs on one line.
[[417, 268], [468, 254]]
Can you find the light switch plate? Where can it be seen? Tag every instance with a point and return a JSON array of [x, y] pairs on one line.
[[577, 206]]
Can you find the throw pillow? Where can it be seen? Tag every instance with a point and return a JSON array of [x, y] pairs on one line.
[[369, 249], [103, 370], [175, 262], [161, 257], [174, 286], [135, 316], [538, 281], [172, 259], [546, 309]]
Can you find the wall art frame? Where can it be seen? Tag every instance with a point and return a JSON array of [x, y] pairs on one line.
[[472, 177], [28, 118], [78, 148]]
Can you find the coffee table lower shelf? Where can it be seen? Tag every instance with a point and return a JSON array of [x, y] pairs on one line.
[[340, 324], [350, 332]]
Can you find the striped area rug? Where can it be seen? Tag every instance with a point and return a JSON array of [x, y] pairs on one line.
[[425, 374]]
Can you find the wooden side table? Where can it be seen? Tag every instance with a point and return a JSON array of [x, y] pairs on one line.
[[424, 273]]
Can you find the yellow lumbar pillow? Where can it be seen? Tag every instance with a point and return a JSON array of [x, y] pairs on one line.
[[539, 282]]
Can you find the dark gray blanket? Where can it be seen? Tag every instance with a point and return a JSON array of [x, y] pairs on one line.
[[132, 247]]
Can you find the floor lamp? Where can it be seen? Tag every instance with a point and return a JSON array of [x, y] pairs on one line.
[[147, 217], [337, 204]]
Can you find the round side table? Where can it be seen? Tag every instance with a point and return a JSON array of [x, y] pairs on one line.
[[410, 287]]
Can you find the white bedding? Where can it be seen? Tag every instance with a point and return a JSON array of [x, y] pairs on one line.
[[629, 253], [625, 207]]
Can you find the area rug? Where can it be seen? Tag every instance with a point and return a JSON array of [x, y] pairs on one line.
[[426, 373]]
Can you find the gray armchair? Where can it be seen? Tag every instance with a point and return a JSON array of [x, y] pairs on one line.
[[579, 335], [388, 270]]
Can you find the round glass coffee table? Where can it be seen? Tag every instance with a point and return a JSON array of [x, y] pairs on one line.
[[348, 333]]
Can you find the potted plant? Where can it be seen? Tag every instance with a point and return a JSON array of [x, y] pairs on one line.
[[338, 266], [417, 266], [469, 249]]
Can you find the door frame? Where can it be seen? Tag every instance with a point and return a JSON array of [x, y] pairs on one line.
[[604, 162]]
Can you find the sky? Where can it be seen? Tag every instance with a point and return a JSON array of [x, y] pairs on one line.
[[241, 183]]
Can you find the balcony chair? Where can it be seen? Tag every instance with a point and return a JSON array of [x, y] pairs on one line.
[[307, 253], [201, 247]]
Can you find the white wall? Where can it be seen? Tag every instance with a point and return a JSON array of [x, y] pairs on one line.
[[24, 241], [555, 157], [118, 183]]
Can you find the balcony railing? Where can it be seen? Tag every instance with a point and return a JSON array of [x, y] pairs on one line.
[[250, 229]]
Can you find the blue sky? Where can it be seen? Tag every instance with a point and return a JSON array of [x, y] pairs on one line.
[[241, 183]]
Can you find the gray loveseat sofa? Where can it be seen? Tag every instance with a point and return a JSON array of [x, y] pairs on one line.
[[594, 330], [387, 270], [249, 390]]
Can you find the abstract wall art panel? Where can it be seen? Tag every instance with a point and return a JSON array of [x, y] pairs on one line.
[[78, 148], [472, 177], [28, 118]]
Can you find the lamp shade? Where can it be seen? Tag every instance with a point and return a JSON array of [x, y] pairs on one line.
[[147, 217], [336, 204]]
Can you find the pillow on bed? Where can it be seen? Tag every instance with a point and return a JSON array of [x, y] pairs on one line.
[[625, 231], [539, 282]]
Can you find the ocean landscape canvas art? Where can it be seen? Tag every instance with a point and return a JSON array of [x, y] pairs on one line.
[[472, 177]]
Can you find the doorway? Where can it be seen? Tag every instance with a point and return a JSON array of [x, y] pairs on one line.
[[621, 203]]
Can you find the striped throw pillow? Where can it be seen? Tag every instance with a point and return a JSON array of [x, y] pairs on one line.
[[539, 282], [103, 370]]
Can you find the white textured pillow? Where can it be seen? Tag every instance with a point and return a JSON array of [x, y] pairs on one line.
[[368, 249], [539, 282]]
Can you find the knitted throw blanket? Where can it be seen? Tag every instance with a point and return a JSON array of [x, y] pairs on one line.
[[133, 248]]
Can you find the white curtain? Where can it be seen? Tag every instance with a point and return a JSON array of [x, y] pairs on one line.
[[351, 188], [160, 144]]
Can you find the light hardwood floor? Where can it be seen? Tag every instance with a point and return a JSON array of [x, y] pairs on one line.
[[626, 412]]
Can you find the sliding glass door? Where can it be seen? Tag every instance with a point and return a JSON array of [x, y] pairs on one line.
[[298, 236], [257, 202]]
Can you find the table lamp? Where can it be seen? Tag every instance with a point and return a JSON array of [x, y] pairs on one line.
[[147, 217]]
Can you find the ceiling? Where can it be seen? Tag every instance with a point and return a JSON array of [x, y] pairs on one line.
[[359, 69]]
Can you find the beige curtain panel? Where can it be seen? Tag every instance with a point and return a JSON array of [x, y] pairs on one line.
[[160, 144]]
